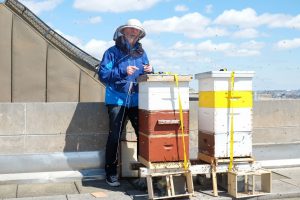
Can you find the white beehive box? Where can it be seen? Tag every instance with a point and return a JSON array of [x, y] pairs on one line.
[[216, 105], [218, 120], [218, 146], [220, 80], [159, 92]]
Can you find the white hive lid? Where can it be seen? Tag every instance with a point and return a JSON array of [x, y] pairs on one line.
[[225, 74], [164, 77]]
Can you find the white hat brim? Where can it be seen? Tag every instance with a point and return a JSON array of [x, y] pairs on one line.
[[143, 33]]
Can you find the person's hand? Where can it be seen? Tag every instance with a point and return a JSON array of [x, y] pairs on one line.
[[148, 68], [131, 70]]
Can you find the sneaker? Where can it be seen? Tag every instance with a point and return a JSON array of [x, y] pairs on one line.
[[112, 181]]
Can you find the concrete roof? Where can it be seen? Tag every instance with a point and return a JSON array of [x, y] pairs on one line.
[[285, 185]]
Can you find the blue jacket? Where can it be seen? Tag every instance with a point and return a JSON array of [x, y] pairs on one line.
[[122, 89]]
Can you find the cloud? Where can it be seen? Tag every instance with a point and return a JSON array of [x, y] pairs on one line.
[[181, 8], [246, 33], [281, 21], [95, 20], [248, 18], [97, 47], [193, 25], [115, 6], [288, 44], [73, 39], [207, 46], [250, 48], [192, 54], [38, 6], [252, 44], [244, 18], [246, 49], [91, 20], [94, 47], [243, 52]]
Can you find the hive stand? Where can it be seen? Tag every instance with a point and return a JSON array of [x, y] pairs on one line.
[[248, 184], [213, 161], [169, 172]]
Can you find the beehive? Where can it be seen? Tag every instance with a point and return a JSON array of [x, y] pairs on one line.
[[160, 136], [218, 100]]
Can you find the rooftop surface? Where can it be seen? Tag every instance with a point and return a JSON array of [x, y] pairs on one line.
[[285, 185]]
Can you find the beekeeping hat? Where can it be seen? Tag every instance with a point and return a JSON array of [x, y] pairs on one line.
[[131, 23]]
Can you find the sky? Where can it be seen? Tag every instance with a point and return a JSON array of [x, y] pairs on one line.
[[191, 36]]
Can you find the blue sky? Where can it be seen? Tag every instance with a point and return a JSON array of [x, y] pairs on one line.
[[191, 36]]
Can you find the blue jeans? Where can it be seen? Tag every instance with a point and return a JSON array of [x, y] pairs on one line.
[[117, 118]]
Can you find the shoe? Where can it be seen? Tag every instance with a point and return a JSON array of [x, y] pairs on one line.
[[112, 181]]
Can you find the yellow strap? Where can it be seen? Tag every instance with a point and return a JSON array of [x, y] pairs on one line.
[[185, 163], [230, 97]]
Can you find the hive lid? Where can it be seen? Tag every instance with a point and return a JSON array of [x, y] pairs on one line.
[[163, 77], [226, 74]]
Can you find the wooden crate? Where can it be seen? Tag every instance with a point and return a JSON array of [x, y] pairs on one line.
[[213, 161], [170, 185], [248, 184]]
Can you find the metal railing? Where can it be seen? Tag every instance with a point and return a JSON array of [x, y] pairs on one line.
[[52, 36]]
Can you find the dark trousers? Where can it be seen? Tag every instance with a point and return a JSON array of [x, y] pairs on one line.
[[117, 118]]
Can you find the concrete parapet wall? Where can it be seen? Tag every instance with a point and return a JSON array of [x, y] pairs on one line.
[[52, 127], [54, 136], [276, 121]]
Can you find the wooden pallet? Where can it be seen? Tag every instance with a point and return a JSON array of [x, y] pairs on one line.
[[213, 161], [161, 165]]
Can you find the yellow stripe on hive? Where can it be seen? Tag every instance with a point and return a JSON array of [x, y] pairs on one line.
[[225, 99]]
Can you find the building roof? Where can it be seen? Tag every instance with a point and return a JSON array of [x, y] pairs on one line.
[[53, 37]]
